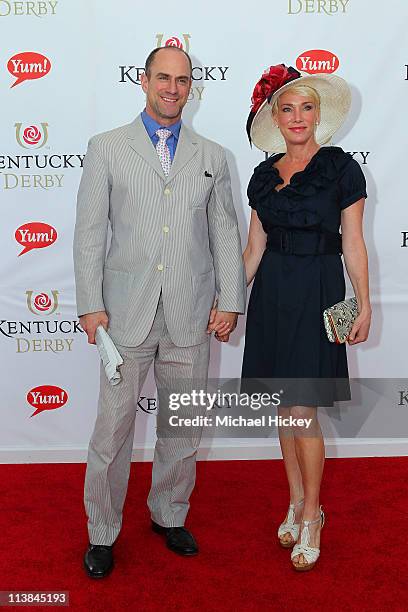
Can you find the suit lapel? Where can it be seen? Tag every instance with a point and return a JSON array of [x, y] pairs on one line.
[[186, 148], [139, 140]]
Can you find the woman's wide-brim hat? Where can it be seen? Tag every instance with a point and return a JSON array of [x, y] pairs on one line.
[[335, 100]]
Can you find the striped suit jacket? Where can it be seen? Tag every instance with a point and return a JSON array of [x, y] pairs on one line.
[[177, 235]]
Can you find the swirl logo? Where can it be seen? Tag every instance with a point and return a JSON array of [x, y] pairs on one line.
[[42, 302], [173, 42], [31, 137]]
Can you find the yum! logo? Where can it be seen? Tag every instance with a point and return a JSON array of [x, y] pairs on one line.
[[35, 235], [46, 397], [42, 303], [31, 136], [174, 41], [28, 66], [317, 61]]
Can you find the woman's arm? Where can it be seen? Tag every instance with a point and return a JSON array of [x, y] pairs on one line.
[[254, 248], [356, 262]]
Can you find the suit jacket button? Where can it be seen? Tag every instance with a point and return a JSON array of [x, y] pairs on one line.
[[160, 267], [167, 191], [166, 229]]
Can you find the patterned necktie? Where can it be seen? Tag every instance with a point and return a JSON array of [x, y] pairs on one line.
[[163, 150]]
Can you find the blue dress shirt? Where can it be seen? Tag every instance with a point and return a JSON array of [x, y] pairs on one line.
[[151, 126]]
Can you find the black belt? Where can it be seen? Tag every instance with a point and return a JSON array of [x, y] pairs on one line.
[[303, 242]]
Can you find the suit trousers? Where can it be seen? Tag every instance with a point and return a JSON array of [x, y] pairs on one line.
[[110, 447]]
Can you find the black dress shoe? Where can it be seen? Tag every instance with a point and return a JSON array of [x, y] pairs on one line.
[[98, 560], [178, 539]]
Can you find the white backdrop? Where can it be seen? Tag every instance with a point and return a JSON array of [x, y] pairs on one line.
[[86, 74]]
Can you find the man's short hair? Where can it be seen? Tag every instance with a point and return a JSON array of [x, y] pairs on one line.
[[152, 54]]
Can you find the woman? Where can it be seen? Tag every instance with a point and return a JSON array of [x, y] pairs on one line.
[[300, 197]]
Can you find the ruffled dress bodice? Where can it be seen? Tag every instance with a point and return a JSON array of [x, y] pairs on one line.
[[297, 205]]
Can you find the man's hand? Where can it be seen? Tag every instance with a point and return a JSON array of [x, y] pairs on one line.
[[89, 322], [222, 323]]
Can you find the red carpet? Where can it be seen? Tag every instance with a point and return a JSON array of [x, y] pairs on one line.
[[236, 508]]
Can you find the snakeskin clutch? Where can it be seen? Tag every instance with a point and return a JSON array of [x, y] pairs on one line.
[[339, 319]]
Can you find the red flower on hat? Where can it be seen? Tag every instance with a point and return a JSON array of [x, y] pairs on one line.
[[271, 80]]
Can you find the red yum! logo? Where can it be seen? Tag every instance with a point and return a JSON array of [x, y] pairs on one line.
[[35, 235], [46, 397], [28, 66], [317, 61]]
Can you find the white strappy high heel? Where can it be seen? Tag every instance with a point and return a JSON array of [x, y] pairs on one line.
[[310, 553], [289, 526]]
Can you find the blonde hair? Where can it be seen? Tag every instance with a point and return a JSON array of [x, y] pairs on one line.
[[301, 90]]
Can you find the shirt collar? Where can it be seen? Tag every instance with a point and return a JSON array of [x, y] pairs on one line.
[[151, 125]]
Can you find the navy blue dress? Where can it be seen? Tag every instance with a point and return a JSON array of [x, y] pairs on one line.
[[285, 334]]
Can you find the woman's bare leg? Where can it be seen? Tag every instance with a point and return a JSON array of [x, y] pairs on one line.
[[293, 473], [310, 453]]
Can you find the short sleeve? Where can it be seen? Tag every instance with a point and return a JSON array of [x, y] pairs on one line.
[[251, 191], [352, 185]]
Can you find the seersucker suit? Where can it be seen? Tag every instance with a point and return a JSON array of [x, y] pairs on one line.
[[174, 247]]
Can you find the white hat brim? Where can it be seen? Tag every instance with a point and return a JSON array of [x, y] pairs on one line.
[[335, 101]]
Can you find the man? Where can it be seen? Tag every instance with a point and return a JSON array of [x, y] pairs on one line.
[[175, 244]]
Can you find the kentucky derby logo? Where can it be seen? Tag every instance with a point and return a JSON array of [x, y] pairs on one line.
[[32, 136], [42, 304], [174, 41]]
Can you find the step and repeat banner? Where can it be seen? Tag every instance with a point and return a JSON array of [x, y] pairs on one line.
[[70, 69]]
